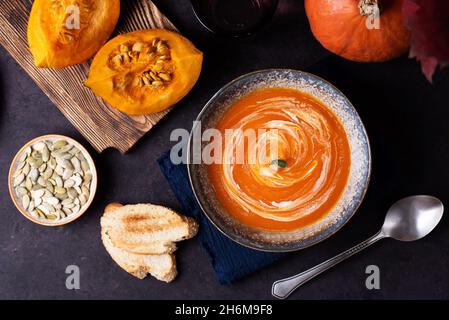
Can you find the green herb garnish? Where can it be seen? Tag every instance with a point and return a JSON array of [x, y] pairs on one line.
[[280, 163]]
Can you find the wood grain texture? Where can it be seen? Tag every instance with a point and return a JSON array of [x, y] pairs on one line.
[[102, 125]]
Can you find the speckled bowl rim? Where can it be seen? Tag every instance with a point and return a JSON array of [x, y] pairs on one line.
[[302, 243], [93, 189]]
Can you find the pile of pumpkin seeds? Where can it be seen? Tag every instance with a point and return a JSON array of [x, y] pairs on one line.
[[52, 180]]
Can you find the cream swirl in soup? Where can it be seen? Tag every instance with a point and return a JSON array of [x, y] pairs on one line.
[[295, 168]]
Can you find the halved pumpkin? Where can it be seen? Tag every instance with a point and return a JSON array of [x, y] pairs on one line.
[[63, 33], [145, 71]]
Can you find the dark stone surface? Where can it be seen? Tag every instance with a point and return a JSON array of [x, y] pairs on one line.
[[406, 119]]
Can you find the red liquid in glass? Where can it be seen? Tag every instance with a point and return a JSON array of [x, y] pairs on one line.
[[234, 17]]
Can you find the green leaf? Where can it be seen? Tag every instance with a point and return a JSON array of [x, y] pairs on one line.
[[280, 163]]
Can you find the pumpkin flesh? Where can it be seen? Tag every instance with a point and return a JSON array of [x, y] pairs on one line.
[[63, 33], [145, 71]]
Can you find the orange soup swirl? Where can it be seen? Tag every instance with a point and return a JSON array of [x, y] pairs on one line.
[[306, 178]]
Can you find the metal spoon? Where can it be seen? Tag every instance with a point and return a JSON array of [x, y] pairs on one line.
[[409, 219]]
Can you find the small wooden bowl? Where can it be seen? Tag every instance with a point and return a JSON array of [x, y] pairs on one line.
[[69, 218]]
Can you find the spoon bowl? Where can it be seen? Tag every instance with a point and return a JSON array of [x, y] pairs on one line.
[[412, 218]]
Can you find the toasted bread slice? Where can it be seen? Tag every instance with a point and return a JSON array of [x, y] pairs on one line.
[[150, 248], [162, 267], [147, 228]]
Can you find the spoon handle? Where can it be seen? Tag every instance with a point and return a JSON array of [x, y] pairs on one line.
[[283, 288]]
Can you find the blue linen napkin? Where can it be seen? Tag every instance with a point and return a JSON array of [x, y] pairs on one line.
[[230, 260]]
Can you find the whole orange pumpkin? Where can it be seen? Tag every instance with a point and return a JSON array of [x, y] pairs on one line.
[[359, 30]]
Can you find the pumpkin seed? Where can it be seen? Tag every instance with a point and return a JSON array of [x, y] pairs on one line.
[[140, 82], [155, 42], [66, 148], [146, 81], [67, 174], [34, 174], [83, 199], [126, 58], [42, 167], [164, 76], [61, 213], [69, 183], [31, 206], [74, 151], [39, 146], [59, 144], [50, 187], [69, 205], [66, 201], [137, 47], [17, 173], [19, 179], [117, 60], [76, 209], [44, 209], [59, 181], [66, 164], [23, 157], [26, 169], [34, 213], [154, 76], [40, 213], [84, 165], [28, 184], [78, 189], [25, 201], [80, 156], [34, 162], [45, 154], [124, 48], [157, 67], [59, 170], [76, 164], [51, 200], [60, 190], [21, 191], [71, 192], [42, 181], [36, 154], [38, 202], [78, 180], [21, 165], [48, 173], [36, 187], [38, 193], [52, 163], [61, 196], [85, 191], [63, 155]]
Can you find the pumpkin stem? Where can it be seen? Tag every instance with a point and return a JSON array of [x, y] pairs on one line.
[[369, 7]]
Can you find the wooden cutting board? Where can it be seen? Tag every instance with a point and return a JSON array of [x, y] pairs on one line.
[[100, 124]]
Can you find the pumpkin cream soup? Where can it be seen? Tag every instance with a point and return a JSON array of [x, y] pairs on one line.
[[307, 177]]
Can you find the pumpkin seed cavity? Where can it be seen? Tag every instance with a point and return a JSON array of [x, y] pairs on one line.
[[62, 13], [156, 55], [52, 180]]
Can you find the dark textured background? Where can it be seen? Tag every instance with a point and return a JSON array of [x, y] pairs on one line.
[[407, 121]]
